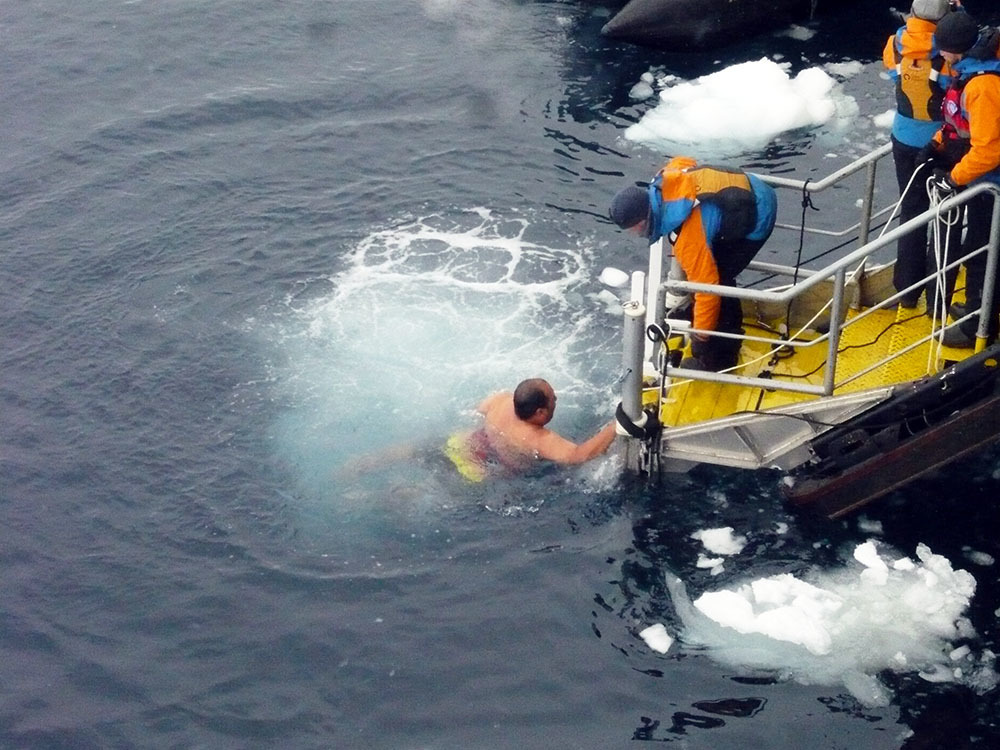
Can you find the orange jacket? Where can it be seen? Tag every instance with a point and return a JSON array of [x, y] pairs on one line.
[[703, 205], [920, 73], [980, 105], [972, 112], [692, 252]]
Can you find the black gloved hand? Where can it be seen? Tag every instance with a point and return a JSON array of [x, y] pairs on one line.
[[928, 153], [699, 346], [941, 182], [678, 313]]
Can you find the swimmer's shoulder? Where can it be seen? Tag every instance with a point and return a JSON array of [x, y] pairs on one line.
[[494, 400]]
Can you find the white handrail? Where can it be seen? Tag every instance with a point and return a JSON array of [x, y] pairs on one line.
[[838, 271]]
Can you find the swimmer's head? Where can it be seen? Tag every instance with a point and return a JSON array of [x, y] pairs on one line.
[[534, 401]]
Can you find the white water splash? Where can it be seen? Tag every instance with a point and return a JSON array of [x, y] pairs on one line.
[[426, 320]]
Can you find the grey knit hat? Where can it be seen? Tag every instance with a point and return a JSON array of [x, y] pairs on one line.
[[629, 206], [929, 10]]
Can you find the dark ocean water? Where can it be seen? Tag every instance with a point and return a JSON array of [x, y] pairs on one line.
[[245, 244]]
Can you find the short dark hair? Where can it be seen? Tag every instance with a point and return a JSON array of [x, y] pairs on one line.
[[529, 397]]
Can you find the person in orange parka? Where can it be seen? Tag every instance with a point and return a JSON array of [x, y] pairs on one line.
[[718, 219], [966, 150], [921, 76]]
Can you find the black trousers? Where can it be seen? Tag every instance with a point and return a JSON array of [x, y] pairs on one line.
[[979, 216], [914, 258], [731, 257]]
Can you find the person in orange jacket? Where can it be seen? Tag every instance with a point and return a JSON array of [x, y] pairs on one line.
[[718, 219], [966, 150], [921, 76]]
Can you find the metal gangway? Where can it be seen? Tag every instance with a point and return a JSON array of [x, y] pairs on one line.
[[646, 306]]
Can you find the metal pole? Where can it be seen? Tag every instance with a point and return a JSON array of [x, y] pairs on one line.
[[830, 377], [989, 281], [632, 349], [637, 290], [653, 315], [866, 203]]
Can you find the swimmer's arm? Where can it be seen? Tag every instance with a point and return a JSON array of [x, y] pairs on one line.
[[556, 448], [375, 460]]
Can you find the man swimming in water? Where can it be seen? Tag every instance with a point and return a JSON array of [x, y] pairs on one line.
[[514, 435]]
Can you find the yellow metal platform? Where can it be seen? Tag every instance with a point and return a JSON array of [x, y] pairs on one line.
[[870, 337]]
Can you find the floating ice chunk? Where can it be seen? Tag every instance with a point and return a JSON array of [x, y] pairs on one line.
[[801, 33], [876, 576], [979, 558], [982, 677], [885, 119], [937, 673], [844, 626], [869, 526], [794, 625], [719, 497], [741, 108], [785, 623], [613, 277], [844, 69], [813, 85], [721, 541], [657, 638], [727, 608], [962, 581], [867, 555], [781, 527], [641, 90], [612, 304], [786, 609], [709, 562], [867, 689], [876, 571], [959, 653]]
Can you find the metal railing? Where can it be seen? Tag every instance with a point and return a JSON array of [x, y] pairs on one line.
[[869, 163], [840, 272]]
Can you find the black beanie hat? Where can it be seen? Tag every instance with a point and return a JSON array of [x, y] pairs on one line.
[[630, 206], [956, 33]]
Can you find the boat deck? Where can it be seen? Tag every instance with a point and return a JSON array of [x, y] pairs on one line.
[[876, 335], [838, 387]]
